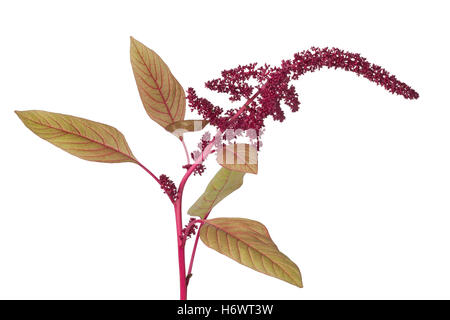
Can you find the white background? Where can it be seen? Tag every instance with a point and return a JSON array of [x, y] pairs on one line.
[[354, 188]]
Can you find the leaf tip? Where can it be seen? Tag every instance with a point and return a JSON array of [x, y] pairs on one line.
[[297, 279], [19, 113], [133, 43]]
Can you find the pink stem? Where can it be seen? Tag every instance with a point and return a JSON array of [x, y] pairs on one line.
[[194, 249], [154, 177], [149, 172], [185, 150], [178, 208], [191, 263], [180, 245]]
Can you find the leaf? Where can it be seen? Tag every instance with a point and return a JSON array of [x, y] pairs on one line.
[[248, 242], [86, 139], [180, 127], [221, 185], [238, 157], [161, 94]]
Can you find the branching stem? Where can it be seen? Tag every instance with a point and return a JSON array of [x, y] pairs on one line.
[[178, 208]]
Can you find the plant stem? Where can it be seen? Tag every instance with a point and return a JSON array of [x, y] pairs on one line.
[[149, 172], [185, 150], [191, 263], [194, 249], [180, 245], [178, 209]]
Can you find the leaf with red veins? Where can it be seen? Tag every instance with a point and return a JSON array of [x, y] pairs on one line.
[[162, 95], [248, 242], [85, 139]]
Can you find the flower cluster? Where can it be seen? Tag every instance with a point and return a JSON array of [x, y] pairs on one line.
[[204, 108], [189, 230], [266, 88], [199, 169], [168, 186], [316, 58], [235, 81]]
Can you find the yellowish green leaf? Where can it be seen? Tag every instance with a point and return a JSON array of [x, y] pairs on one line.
[[222, 184], [180, 127], [161, 94], [86, 139], [248, 242], [239, 157]]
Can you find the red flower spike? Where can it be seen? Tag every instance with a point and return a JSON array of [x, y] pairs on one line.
[[168, 186], [275, 88], [189, 230]]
